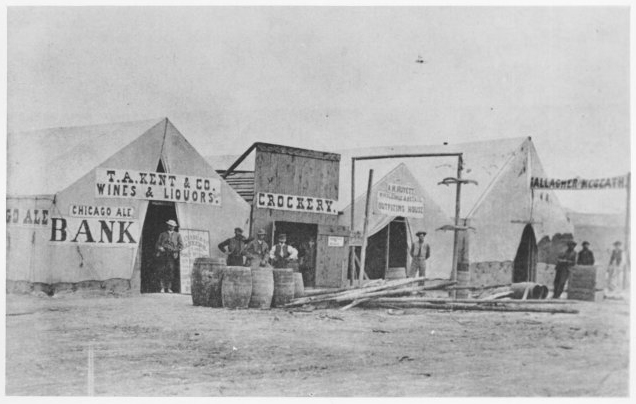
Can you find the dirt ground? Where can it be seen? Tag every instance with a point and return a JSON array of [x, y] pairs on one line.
[[162, 345]]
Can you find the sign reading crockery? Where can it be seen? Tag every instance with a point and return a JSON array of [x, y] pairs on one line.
[[400, 200], [295, 203], [130, 184], [579, 183]]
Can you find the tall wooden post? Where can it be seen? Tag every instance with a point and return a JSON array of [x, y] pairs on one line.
[[627, 270], [460, 164], [388, 244], [352, 249], [363, 253]]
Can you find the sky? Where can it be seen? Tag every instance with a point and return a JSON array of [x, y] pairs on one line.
[[330, 78]]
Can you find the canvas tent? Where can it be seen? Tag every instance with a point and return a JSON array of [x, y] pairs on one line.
[[86, 204], [390, 235], [516, 230]]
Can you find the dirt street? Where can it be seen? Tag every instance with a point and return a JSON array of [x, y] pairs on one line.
[[161, 345]]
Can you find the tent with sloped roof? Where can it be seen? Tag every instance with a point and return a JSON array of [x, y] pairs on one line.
[[513, 226], [390, 234], [86, 204]]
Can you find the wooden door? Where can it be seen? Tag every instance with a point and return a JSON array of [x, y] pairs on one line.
[[332, 256]]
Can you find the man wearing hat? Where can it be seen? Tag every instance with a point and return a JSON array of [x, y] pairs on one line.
[[615, 265], [586, 256], [282, 253], [235, 248], [565, 261], [168, 246], [258, 251], [420, 251]]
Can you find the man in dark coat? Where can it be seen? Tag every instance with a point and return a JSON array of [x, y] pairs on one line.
[[234, 247], [565, 261], [586, 256], [168, 246], [307, 255], [258, 251]]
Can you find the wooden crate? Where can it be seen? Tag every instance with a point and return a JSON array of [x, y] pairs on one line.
[[588, 277], [585, 294]]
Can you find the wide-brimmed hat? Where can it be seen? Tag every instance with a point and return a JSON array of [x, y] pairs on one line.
[[238, 229], [282, 236], [422, 232], [261, 232], [585, 243], [571, 243], [617, 243], [171, 223]]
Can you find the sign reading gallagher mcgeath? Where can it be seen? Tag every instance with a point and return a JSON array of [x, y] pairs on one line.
[[579, 183], [130, 184], [295, 203], [400, 200]]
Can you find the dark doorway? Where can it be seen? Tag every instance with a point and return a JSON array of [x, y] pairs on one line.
[[525, 264], [386, 249], [298, 236], [157, 215]]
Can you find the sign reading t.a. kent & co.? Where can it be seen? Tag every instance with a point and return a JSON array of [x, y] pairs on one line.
[[309, 204], [130, 184], [579, 183], [400, 200]]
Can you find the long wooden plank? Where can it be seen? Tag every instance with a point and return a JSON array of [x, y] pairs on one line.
[[468, 307]]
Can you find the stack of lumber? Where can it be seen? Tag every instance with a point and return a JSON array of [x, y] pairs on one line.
[[587, 282], [411, 293]]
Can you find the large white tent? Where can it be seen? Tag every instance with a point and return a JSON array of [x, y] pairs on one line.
[[62, 229]]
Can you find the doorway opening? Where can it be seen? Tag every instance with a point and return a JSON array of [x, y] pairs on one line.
[[525, 264], [387, 249], [303, 237]]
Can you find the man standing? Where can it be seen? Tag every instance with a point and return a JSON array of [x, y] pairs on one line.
[[420, 251], [586, 256], [258, 251], [565, 261], [281, 253], [235, 248], [614, 268], [307, 256], [168, 246]]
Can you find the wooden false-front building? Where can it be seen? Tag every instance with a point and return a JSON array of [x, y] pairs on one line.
[[294, 191]]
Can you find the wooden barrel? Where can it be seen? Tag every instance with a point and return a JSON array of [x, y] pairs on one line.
[[395, 273], [262, 288], [283, 286], [294, 266], [205, 281], [236, 287], [299, 286]]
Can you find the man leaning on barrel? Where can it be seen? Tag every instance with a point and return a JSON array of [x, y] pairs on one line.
[[282, 253], [234, 247]]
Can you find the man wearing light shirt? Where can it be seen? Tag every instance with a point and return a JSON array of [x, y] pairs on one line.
[[281, 253]]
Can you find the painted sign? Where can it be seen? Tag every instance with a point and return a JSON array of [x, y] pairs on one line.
[[130, 184], [579, 183], [196, 243], [26, 217], [117, 212], [400, 200], [96, 232], [335, 241], [308, 204]]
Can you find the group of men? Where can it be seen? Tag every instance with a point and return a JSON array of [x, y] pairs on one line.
[[256, 253], [570, 257]]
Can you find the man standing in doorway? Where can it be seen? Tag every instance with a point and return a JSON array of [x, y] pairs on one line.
[[565, 261], [235, 248], [420, 251], [586, 256], [307, 256], [168, 247], [282, 253], [258, 251]]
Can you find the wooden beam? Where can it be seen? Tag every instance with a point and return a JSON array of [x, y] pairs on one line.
[[363, 252]]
